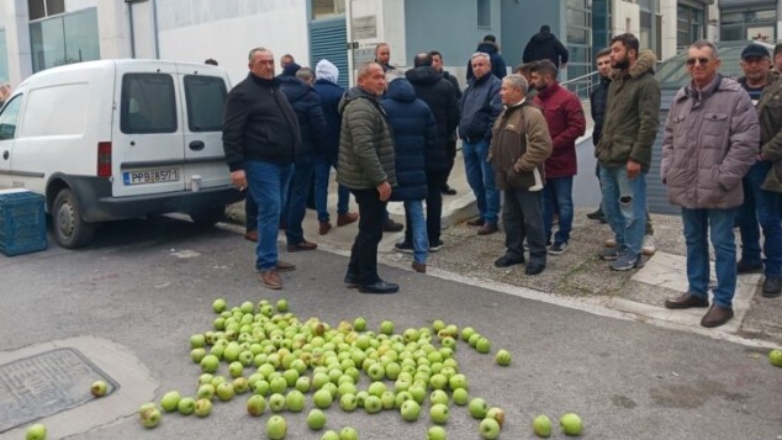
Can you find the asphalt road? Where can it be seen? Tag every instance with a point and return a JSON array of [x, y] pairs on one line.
[[148, 286]]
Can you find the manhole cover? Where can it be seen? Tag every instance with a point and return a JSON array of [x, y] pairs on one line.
[[46, 384]]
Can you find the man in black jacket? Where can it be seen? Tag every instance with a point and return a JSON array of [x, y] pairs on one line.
[[545, 46], [438, 94], [598, 104], [260, 138], [450, 145]]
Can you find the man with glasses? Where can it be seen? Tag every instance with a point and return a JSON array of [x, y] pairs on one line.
[[761, 195], [711, 141]]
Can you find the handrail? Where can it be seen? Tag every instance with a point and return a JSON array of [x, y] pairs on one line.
[[579, 78]]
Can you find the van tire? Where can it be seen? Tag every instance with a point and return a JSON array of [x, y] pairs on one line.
[[208, 216], [70, 231]]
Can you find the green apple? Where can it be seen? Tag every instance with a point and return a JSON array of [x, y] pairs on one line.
[[387, 327], [217, 380], [377, 389], [473, 341], [460, 396], [282, 306], [376, 372], [489, 429], [241, 385], [503, 358], [225, 391], [262, 387], [330, 435], [150, 418], [483, 346], [36, 432], [438, 396], [348, 433], [247, 307], [322, 398], [278, 385], [436, 433], [276, 428], [203, 407], [439, 413], [467, 332], [277, 402], [402, 397], [388, 400], [458, 381], [210, 363], [372, 404], [775, 358], [361, 397], [303, 384], [438, 325], [235, 369], [348, 402], [205, 379], [438, 381], [410, 410], [541, 426], [246, 357], [360, 324], [99, 388], [186, 406], [170, 401], [218, 306], [478, 408], [206, 391], [197, 341], [295, 401], [418, 392], [256, 405], [571, 424], [316, 419], [497, 414], [197, 355]]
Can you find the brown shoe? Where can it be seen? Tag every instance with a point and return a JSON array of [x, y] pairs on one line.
[[304, 245], [686, 301], [324, 228], [488, 228], [419, 267], [271, 279], [285, 267], [346, 219], [476, 222], [251, 236], [716, 316]]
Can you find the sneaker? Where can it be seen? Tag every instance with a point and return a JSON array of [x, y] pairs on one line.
[[434, 247], [405, 248], [648, 247], [557, 248], [610, 253], [610, 242], [627, 261], [392, 226], [597, 215]]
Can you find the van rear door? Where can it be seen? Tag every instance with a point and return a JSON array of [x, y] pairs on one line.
[[204, 90], [148, 152]]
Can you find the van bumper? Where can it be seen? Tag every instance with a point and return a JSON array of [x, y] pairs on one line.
[[98, 205]]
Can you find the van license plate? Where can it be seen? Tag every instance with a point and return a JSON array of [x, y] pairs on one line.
[[150, 176]]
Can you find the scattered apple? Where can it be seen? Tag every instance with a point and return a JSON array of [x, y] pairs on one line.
[[460, 396], [203, 407], [218, 305], [489, 429], [410, 410], [150, 418], [295, 401], [186, 406], [436, 433], [439, 413], [348, 433], [496, 414], [99, 388], [483, 346], [277, 402], [503, 358], [478, 408], [316, 419], [541, 426], [170, 401], [775, 358], [36, 432], [276, 428], [571, 424]]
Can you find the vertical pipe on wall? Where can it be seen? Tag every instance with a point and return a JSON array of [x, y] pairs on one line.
[[132, 31], [155, 29]]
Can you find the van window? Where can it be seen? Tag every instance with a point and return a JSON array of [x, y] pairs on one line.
[[9, 117], [205, 96], [148, 104]]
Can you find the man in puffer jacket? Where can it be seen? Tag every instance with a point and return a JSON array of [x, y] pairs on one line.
[[415, 137], [545, 46], [711, 140], [489, 46]]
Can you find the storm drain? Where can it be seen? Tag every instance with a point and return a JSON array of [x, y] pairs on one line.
[[46, 384]]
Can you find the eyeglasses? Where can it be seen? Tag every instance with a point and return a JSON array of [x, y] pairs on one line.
[[702, 61]]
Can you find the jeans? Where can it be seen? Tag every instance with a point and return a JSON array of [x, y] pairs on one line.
[[363, 254], [624, 205], [558, 193], [761, 206], [414, 211], [522, 217], [323, 165], [649, 229], [697, 223], [303, 172], [434, 208], [480, 176], [250, 212], [269, 186]]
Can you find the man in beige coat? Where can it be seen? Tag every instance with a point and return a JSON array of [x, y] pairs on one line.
[[711, 140], [519, 148]]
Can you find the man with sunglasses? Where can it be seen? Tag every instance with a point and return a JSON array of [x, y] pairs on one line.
[[761, 184], [711, 140]]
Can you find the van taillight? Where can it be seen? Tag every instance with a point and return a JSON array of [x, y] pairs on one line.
[[104, 159]]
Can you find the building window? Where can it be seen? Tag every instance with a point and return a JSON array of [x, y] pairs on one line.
[[484, 13], [579, 43], [689, 25], [3, 58], [327, 8], [45, 8], [754, 25], [66, 39]]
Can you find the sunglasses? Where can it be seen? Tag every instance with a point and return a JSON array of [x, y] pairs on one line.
[[702, 61]]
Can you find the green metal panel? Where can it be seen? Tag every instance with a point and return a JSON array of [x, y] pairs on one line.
[[329, 39]]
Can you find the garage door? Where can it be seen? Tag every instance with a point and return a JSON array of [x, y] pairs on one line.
[[329, 40]]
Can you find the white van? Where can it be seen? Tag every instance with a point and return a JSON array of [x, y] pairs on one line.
[[117, 139]]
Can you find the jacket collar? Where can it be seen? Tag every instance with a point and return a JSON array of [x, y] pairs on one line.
[[645, 63], [275, 82], [691, 92], [549, 91]]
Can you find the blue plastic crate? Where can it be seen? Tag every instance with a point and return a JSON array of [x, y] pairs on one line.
[[22, 223]]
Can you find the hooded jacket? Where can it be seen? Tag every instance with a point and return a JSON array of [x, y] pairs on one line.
[[259, 124], [330, 93], [307, 106], [545, 46], [415, 136], [711, 140], [566, 122], [632, 115], [431, 88], [597, 102], [480, 106], [498, 67], [366, 145]]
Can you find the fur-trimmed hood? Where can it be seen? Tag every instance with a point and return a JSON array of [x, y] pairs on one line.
[[646, 62]]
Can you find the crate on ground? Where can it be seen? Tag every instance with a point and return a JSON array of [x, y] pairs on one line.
[[22, 222]]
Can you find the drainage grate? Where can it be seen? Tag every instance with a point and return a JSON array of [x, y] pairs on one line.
[[46, 384]]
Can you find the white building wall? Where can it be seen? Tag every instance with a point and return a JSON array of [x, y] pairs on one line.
[[626, 18], [713, 29], [17, 32], [669, 15]]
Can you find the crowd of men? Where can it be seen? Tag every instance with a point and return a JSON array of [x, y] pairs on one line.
[[393, 136]]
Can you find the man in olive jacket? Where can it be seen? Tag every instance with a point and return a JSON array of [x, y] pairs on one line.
[[520, 145], [711, 140], [367, 167], [624, 152]]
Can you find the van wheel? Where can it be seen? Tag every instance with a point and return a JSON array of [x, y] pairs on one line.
[[208, 216], [70, 230]]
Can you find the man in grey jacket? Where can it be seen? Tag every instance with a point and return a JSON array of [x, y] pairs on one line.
[[711, 140]]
